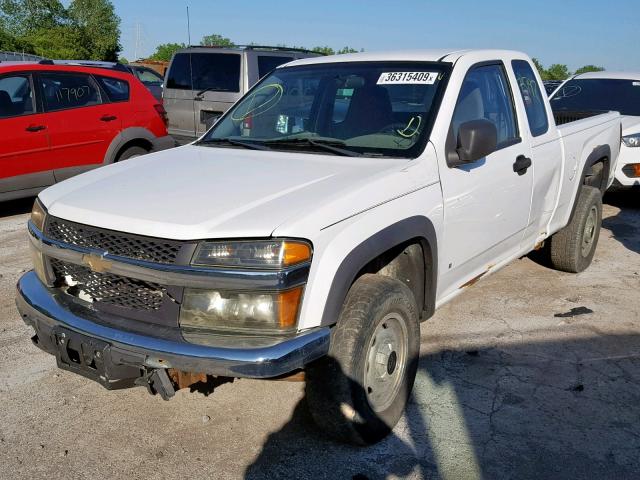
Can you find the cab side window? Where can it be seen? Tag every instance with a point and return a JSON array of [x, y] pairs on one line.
[[485, 94], [532, 97], [62, 91], [16, 96]]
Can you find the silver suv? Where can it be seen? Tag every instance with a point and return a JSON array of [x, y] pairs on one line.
[[203, 82]]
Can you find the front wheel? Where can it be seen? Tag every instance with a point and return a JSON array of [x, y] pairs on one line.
[[572, 248], [359, 391]]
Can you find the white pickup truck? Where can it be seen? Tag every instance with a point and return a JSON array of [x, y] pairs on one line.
[[330, 211]]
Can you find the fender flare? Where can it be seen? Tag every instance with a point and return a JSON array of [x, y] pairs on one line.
[[124, 137], [412, 228], [598, 153]]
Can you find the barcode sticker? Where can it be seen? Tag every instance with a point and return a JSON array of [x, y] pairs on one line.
[[404, 78]]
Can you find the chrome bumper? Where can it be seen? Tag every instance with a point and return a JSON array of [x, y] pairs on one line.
[[40, 307]]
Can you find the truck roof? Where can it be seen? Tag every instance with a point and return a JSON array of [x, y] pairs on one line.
[[609, 75], [431, 55]]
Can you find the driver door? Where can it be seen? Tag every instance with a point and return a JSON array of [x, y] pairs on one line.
[[486, 203]]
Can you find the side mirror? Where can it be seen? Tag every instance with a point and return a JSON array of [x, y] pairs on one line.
[[476, 139]]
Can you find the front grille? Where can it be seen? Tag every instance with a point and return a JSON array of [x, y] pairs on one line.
[[110, 289], [116, 243]]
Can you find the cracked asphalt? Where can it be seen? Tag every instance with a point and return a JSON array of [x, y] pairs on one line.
[[529, 374]]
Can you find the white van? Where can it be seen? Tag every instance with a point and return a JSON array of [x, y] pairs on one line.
[[203, 82]]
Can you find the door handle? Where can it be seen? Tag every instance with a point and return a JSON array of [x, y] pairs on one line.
[[521, 164], [35, 128], [108, 118]]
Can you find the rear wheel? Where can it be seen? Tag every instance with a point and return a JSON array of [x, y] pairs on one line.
[[572, 248], [132, 152], [358, 392]]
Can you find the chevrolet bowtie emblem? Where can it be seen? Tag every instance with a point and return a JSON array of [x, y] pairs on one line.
[[96, 263]]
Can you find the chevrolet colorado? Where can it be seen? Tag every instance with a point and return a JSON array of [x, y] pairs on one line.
[[328, 213]]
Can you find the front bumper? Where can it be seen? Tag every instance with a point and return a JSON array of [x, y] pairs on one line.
[[628, 156], [126, 354]]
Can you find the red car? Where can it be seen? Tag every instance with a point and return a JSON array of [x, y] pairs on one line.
[[60, 120]]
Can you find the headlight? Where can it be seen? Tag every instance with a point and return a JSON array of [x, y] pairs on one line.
[[277, 253], [249, 312], [632, 140], [38, 214]]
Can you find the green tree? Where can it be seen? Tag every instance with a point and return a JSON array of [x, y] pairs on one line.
[[589, 68], [88, 29], [60, 42], [165, 51], [22, 17], [216, 40], [348, 50], [99, 25], [326, 50], [557, 72], [123, 61]]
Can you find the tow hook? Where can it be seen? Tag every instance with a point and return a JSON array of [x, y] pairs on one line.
[[157, 381]]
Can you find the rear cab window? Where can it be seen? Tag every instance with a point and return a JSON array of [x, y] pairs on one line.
[[531, 97], [117, 90], [61, 91], [216, 72], [16, 96]]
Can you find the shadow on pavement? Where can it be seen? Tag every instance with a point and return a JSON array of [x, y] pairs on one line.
[[625, 226], [16, 207], [557, 409]]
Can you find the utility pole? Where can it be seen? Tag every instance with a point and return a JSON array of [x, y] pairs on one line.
[[188, 28], [137, 47]]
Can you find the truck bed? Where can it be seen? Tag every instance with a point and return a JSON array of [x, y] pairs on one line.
[[564, 116]]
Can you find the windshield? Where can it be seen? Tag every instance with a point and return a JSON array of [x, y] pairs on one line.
[[369, 108], [599, 94]]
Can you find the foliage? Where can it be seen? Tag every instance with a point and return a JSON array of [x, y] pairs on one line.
[[326, 50], [123, 61], [165, 51], [216, 40], [559, 71], [588, 68], [100, 25], [87, 29], [60, 42], [348, 50]]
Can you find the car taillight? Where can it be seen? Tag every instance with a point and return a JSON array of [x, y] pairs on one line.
[[163, 113]]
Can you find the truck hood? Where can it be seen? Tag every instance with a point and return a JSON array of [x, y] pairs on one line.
[[630, 124], [197, 192]]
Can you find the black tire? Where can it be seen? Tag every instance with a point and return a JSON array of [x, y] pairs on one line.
[[337, 397], [132, 152], [570, 249]]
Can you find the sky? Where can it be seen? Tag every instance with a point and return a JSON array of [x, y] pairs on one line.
[[576, 33]]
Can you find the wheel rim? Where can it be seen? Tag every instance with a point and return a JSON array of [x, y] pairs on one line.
[[386, 362], [589, 234]]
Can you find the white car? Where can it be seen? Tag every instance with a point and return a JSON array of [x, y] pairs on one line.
[[315, 226], [602, 92]]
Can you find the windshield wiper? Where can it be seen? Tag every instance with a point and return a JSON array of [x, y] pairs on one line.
[[209, 89], [235, 143], [334, 146]]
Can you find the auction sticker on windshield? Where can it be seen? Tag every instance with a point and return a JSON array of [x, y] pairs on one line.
[[424, 78]]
